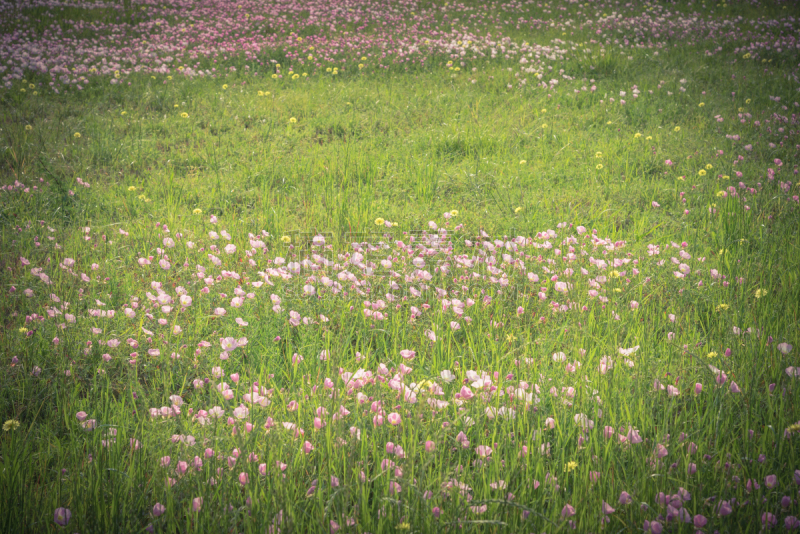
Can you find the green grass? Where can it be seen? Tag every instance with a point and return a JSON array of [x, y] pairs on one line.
[[405, 147]]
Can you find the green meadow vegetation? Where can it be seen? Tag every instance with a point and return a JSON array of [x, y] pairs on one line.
[[535, 269]]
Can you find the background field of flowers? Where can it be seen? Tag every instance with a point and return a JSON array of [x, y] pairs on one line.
[[384, 266]]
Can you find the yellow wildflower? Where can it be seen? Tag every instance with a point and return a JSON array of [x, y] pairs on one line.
[[11, 424]]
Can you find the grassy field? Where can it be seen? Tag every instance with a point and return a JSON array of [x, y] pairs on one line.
[[399, 266]]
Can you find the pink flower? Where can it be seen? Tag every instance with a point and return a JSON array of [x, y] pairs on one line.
[[567, 511], [483, 451], [159, 509], [182, 467], [197, 504], [62, 516], [735, 388], [625, 498], [308, 447], [771, 481], [244, 478], [430, 446], [607, 508], [768, 520], [394, 418], [408, 354], [656, 204], [784, 348], [165, 461], [81, 416]]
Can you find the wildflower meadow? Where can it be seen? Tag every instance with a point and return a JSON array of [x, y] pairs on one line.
[[377, 266]]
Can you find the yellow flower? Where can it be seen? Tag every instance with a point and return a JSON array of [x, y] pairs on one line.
[[305, 74], [709, 167], [649, 138], [310, 57], [295, 76], [292, 120], [28, 127], [701, 172], [11, 424], [518, 209], [360, 66], [31, 86], [609, 122], [511, 338], [741, 110], [22, 330], [760, 293], [185, 115], [403, 526], [701, 104], [599, 166], [722, 307], [379, 221], [197, 211], [544, 125], [286, 239], [613, 274], [570, 466], [637, 135], [747, 101], [261, 93], [328, 69], [176, 106], [726, 177], [124, 113], [711, 355], [746, 56], [132, 188], [76, 135], [224, 86], [677, 128], [274, 76], [169, 77], [277, 65], [544, 110], [721, 193], [454, 213], [523, 161], [598, 154], [267, 93]]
